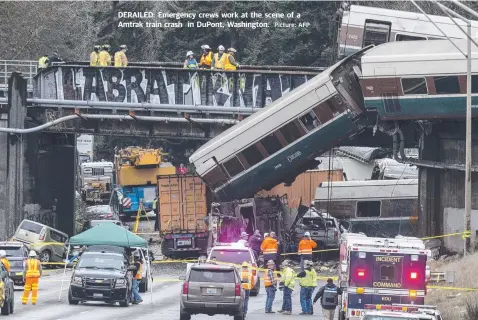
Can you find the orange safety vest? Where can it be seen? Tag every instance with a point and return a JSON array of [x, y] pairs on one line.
[[219, 63], [139, 273], [206, 59], [267, 280], [33, 268], [306, 246], [6, 264], [269, 245], [247, 276], [228, 65]]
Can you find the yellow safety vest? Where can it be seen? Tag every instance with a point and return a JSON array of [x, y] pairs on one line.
[[33, 268], [310, 279], [288, 277], [267, 280], [247, 276], [228, 65], [6, 264], [94, 56], [206, 59], [120, 59], [139, 273], [219, 63], [42, 62], [104, 58]]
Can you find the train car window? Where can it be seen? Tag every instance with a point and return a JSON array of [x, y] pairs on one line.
[[376, 32], [290, 132], [474, 84], [414, 86], [406, 37], [368, 209], [271, 144], [215, 178], [447, 85], [233, 166], [252, 155], [310, 121]]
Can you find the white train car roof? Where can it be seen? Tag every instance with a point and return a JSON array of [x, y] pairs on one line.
[[416, 23], [367, 190], [100, 164], [405, 58]]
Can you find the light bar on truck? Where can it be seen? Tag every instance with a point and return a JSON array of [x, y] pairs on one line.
[[390, 308]]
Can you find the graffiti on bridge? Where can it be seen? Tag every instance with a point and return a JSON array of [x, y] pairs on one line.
[[163, 86]]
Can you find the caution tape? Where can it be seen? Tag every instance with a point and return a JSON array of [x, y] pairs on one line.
[[464, 235], [452, 288], [295, 253]]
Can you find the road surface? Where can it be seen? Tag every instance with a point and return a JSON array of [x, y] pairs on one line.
[[166, 290]]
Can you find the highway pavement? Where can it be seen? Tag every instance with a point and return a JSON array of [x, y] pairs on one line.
[[164, 302]]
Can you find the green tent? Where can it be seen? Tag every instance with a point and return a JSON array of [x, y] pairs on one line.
[[108, 234]]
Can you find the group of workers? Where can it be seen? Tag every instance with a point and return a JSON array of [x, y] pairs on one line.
[[101, 56], [307, 276], [215, 61]]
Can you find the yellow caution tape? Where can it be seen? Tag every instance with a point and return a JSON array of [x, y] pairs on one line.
[[465, 234], [45, 244], [452, 288], [294, 253]]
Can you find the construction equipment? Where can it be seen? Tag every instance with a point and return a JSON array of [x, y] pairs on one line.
[[140, 214]]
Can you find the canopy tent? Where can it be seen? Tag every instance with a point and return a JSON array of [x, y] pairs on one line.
[[108, 234]]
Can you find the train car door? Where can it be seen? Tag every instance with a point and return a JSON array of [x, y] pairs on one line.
[[389, 89], [376, 32]]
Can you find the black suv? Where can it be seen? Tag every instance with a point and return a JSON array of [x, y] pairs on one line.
[[101, 276], [7, 305], [17, 254]]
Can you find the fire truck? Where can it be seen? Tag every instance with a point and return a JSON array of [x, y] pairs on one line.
[[381, 271]]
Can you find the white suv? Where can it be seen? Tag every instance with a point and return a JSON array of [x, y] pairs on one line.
[[236, 253], [402, 312]]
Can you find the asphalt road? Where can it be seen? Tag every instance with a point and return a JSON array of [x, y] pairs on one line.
[[165, 301]]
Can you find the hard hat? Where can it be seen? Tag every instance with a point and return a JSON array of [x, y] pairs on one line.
[[97, 46], [3, 254], [244, 234], [32, 253], [273, 234], [308, 263], [307, 234], [123, 46], [206, 47], [231, 50], [106, 46], [285, 263], [221, 48], [270, 262], [189, 53], [266, 234], [245, 264]]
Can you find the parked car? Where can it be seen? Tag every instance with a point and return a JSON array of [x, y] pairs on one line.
[[93, 223], [236, 254], [7, 305], [100, 212], [101, 276], [49, 243], [212, 289], [17, 253]]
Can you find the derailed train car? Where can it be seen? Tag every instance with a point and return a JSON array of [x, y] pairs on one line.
[[281, 141]]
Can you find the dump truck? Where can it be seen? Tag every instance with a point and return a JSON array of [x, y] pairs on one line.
[[183, 215], [95, 181]]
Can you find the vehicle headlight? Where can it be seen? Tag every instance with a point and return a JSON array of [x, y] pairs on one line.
[[77, 280], [121, 283]]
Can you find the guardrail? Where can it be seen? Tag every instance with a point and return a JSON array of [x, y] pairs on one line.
[[27, 67]]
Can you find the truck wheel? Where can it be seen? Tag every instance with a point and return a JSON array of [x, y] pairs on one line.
[[12, 303], [70, 299], [341, 315], [126, 302], [6, 308], [241, 317]]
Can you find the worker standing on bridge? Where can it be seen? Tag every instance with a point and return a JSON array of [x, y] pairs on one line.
[[230, 63], [32, 275], [4, 260], [43, 62], [306, 245], [104, 56], [206, 57], [307, 282], [94, 56], [120, 57], [219, 58], [190, 62]]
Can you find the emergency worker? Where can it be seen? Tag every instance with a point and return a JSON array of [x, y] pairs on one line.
[[329, 299], [156, 212], [120, 57], [270, 283], [104, 57], [95, 55], [182, 169], [255, 242], [230, 63], [288, 282], [4, 260], [219, 58], [190, 62], [306, 246], [206, 57], [137, 276], [247, 283], [33, 272], [307, 282], [269, 247], [43, 62], [54, 58]]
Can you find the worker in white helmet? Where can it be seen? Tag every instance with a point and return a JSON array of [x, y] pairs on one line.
[[32, 275], [206, 57], [219, 58], [231, 63], [190, 62]]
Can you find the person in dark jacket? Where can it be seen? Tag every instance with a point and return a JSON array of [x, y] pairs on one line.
[[255, 242], [328, 296]]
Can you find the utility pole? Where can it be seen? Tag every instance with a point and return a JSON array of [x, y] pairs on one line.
[[467, 225]]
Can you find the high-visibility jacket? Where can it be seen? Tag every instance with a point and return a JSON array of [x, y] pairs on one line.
[[139, 272], [42, 62], [306, 246], [94, 58], [269, 245], [206, 59], [6, 264], [120, 59], [310, 279], [33, 268], [288, 277], [219, 63], [228, 65], [247, 276], [104, 58], [270, 278], [155, 204]]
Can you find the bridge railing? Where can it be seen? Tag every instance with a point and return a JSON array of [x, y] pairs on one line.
[[27, 67]]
